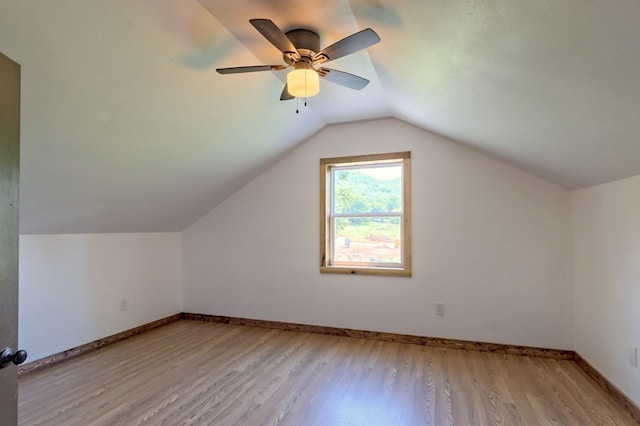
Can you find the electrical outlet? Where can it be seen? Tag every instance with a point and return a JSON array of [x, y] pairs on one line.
[[124, 304], [440, 309], [633, 355]]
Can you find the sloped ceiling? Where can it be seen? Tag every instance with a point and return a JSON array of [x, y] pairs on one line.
[[126, 127]]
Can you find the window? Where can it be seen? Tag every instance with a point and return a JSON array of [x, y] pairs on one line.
[[365, 225]]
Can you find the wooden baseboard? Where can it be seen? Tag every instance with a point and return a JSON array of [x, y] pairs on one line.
[[389, 337], [92, 346], [609, 388]]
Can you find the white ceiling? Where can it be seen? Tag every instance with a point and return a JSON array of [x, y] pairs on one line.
[[126, 127]]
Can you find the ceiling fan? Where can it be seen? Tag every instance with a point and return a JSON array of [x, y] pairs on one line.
[[301, 50]]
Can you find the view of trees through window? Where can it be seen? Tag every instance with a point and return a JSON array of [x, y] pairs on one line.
[[367, 214]]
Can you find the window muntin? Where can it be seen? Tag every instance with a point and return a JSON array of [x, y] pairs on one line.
[[365, 216]]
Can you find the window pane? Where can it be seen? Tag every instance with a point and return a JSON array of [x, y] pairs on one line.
[[367, 239], [373, 189]]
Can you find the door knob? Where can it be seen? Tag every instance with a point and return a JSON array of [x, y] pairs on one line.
[[8, 356]]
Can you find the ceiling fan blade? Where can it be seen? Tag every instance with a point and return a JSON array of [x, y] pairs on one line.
[[286, 96], [348, 45], [252, 68], [344, 78], [279, 39]]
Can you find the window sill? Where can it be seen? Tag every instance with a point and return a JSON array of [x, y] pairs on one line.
[[352, 270]]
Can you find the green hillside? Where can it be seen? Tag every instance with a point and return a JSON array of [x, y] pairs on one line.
[[357, 192]]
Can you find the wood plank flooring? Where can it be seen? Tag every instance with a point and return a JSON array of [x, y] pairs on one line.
[[196, 373]]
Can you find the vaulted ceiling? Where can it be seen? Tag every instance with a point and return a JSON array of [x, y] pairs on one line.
[[126, 127]]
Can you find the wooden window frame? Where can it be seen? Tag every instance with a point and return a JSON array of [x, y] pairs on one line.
[[326, 165]]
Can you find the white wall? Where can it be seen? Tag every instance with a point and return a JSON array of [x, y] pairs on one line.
[[490, 241], [606, 250], [71, 286]]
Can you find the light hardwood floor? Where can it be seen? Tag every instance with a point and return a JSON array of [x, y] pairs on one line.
[[196, 373]]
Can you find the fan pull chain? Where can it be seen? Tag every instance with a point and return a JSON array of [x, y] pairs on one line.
[[305, 95], [305, 88], [297, 105]]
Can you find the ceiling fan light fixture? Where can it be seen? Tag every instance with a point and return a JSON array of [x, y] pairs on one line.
[[304, 81]]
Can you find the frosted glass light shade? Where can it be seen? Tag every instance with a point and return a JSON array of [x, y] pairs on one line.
[[303, 83]]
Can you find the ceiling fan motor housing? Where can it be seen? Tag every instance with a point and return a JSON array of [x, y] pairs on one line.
[[306, 41]]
